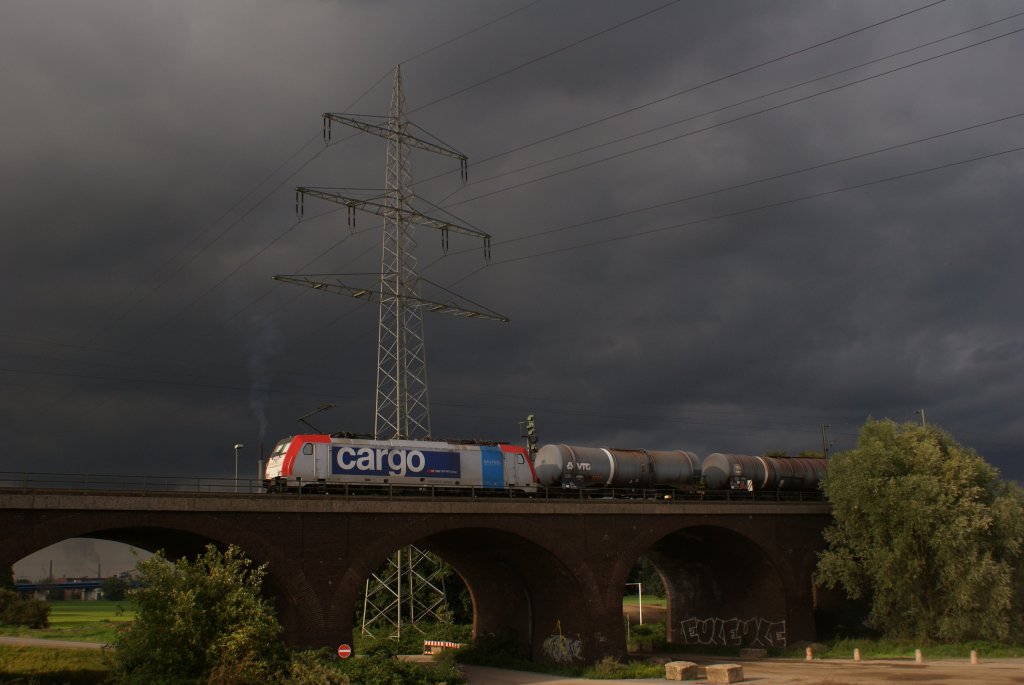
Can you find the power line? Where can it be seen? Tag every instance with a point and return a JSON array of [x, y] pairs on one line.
[[706, 113], [789, 201], [548, 54], [742, 117], [745, 70], [467, 33], [742, 212], [691, 89], [745, 184]]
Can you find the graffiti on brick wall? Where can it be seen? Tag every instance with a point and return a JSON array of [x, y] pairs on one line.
[[563, 650], [734, 632]]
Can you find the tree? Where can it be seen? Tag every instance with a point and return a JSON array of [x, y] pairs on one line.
[[201, 621], [926, 532], [7, 578], [114, 589], [645, 572]]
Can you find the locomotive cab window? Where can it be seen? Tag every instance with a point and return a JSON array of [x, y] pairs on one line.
[[307, 448], [520, 460]]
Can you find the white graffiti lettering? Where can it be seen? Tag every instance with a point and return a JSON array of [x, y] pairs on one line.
[[733, 632]]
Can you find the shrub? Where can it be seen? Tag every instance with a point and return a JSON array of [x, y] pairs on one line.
[[201, 621], [23, 611]]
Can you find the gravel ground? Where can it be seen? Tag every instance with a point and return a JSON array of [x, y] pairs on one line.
[[819, 672]]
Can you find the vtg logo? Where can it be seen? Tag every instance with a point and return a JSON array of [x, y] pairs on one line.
[[380, 461]]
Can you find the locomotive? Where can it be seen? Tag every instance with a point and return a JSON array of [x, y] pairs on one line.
[[329, 461], [318, 462]]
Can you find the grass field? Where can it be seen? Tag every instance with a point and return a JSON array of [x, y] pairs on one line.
[[649, 601], [78, 620], [53, 666]]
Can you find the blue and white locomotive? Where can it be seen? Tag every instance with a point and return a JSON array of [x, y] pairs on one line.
[[327, 462]]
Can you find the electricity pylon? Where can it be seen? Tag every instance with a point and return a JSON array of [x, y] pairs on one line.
[[402, 402], [408, 588]]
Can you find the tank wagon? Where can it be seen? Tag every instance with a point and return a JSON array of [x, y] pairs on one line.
[[599, 467], [339, 461], [743, 472]]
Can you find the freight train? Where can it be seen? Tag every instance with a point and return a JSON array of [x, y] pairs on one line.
[[342, 462]]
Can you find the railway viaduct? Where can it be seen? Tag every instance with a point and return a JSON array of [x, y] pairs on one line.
[[548, 574]]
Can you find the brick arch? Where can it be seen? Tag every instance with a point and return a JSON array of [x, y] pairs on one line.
[[723, 587], [522, 590], [296, 601], [56, 528]]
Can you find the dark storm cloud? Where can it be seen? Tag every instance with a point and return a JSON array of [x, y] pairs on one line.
[[152, 150]]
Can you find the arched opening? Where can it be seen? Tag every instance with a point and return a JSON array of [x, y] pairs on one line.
[[521, 596], [721, 589], [413, 597], [644, 607], [78, 569], [97, 546]]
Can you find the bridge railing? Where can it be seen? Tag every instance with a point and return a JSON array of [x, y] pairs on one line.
[[134, 484], [92, 482]]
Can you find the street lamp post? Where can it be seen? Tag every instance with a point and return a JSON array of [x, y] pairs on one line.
[[237, 447], [640, 599]]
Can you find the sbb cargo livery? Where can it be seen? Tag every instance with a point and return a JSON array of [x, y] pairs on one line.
[[311, 461], [324, 463]]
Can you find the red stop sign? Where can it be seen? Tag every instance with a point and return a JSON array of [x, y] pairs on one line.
[[344, 651]]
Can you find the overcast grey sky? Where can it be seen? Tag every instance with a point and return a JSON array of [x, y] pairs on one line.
[[716, 226]]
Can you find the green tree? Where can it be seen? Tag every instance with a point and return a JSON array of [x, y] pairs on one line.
[[645, 572], [114, 588], [200, 621], [7, 578], [925, 531]]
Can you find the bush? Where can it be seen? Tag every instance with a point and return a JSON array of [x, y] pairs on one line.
[[323, 668], [648, 637], [16, 610], [315, 668], [412, 638], [384, 670], [198, 622], [610, 668]]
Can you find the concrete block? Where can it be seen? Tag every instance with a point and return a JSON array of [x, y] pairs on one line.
[[753, 653], [725, 673], [680, 670]]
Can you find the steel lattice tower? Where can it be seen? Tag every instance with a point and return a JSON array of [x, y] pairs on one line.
[[402, 407]]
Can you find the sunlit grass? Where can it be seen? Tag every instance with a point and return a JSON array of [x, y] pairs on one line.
[[79, 620], [46, 666], [652, 601]]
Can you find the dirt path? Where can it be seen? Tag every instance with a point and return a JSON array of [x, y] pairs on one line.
[[652, 614], [57, 644], [821, 672]]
